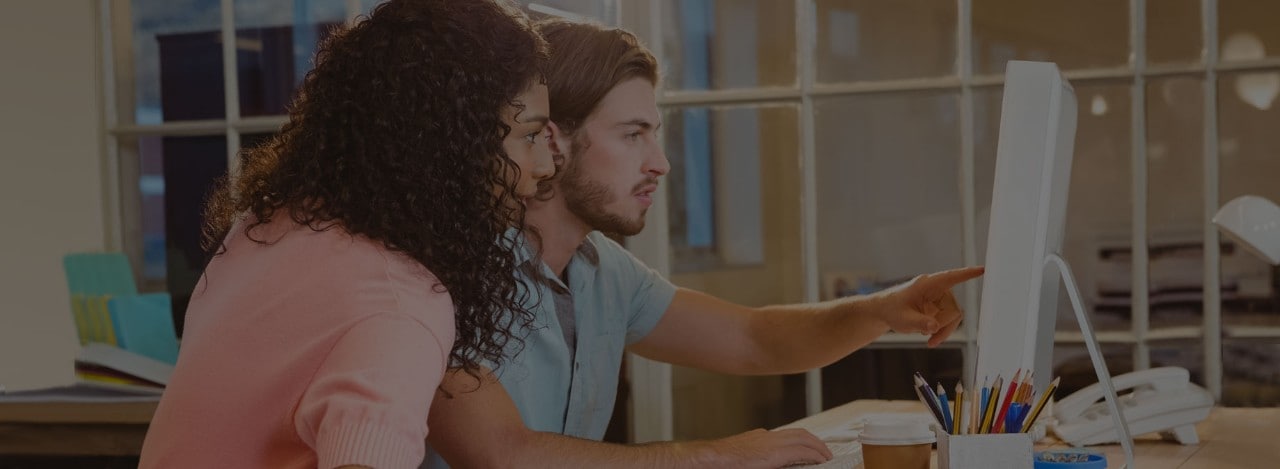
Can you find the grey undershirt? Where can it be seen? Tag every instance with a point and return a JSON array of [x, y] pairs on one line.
[[564, 311]]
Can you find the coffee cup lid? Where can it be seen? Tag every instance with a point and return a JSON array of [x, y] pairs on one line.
[[896, 429]]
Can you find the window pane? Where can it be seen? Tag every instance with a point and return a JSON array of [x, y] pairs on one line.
[[1187, 354], [1077, 34], [876, 40], [1173, 31], [734, 175], [1250, 374], [177, 59], [1072, 363], [887, 188], [734, 198], [1099, 207], [600, 11], [1247, 30], [873, 373], [1247, 146], [175, 177], [1175, 197], [248, 141], [714, 44], [275, 45]]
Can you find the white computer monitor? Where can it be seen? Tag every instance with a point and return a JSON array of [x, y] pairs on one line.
[[1019, 307], [1018, 311]]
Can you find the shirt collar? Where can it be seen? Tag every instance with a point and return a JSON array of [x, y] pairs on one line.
[[527, 260]]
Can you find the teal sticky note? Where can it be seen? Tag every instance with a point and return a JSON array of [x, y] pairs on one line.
[[144, 325], [99, 273]]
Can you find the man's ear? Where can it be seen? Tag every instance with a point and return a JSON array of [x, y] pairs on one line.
[[560, 142]]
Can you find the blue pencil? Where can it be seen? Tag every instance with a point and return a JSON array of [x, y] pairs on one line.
[[946, 408]]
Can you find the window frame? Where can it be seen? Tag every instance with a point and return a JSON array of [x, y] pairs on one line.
[[650, 246]]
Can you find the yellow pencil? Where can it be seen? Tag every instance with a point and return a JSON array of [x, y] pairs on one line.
[[1026, 425], [959, 413]]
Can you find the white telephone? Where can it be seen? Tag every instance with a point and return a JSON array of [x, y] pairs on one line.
[[1163, 400]]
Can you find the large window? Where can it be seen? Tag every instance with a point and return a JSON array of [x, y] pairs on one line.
[[898, 109], [821, 148]]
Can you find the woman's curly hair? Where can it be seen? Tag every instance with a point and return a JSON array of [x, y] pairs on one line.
[[396, 135]]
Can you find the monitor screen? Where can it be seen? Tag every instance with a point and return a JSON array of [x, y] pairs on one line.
[[1018, 310]]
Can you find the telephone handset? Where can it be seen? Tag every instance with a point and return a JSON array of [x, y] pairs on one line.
[[1163, 400]]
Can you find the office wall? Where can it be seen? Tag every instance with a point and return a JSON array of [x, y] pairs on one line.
[[51, 183]]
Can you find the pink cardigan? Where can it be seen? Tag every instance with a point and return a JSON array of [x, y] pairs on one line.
[[319, 350]]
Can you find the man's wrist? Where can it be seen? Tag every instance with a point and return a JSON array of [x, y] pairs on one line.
[[870, 307], [700, 453]]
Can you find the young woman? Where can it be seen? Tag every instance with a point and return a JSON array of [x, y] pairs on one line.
[[361, 252]]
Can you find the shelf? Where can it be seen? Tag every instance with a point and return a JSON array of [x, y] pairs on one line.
[[1104, 337], [896, 338], [1252, 332]]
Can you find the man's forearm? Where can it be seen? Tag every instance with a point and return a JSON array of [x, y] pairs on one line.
[[795, 338]]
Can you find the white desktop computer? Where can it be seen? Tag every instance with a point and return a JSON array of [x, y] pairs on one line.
[[1018, 309]]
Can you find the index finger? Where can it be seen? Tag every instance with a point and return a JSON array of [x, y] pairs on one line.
[[948, 278]]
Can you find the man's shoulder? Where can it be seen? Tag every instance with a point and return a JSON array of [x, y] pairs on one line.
[[608, 253]]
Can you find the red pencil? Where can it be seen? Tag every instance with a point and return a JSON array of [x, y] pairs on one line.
[[998, 425]]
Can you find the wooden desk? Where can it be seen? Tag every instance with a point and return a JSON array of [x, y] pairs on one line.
[[1230, 438], [73, 428]]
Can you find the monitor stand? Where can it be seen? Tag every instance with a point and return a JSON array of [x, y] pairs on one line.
[[1095, 354]]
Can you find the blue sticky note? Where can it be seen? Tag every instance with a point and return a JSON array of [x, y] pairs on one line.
[[144, 325]]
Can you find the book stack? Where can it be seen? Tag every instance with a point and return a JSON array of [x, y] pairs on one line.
[[127, 339]]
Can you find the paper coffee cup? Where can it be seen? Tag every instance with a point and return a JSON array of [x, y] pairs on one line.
[[896, 441]]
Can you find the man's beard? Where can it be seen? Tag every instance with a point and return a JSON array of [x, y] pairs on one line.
[[587, 199]]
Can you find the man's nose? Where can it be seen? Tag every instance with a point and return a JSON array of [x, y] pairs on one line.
[[657, 164]]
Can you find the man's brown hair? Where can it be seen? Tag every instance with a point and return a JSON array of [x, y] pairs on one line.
[[588, 60]]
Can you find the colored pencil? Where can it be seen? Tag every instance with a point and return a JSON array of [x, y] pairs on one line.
[[946, 410], [989, 413], [1044, 397], [1003, 406]]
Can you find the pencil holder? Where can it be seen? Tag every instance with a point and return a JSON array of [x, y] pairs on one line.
[[984, 450]]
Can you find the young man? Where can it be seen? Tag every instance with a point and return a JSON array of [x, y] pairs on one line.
[[595, 301]]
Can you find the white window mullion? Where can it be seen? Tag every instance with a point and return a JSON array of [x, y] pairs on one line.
[[353, 10], [652, 399], [123, 165], [231, 85], [806, 37], [1140, 301], [110, 163], [1212, 287]]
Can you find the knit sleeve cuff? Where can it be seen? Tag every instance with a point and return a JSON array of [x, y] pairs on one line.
[[369, 443]]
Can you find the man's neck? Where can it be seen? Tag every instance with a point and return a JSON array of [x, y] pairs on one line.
[[560, 232]]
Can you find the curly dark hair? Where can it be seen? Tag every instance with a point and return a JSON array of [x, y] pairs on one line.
[[396, 135]]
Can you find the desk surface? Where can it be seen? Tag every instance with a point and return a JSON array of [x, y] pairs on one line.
[[74, 428], [1229, 438]]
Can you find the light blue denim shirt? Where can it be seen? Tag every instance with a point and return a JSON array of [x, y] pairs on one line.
[[617, 300]]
